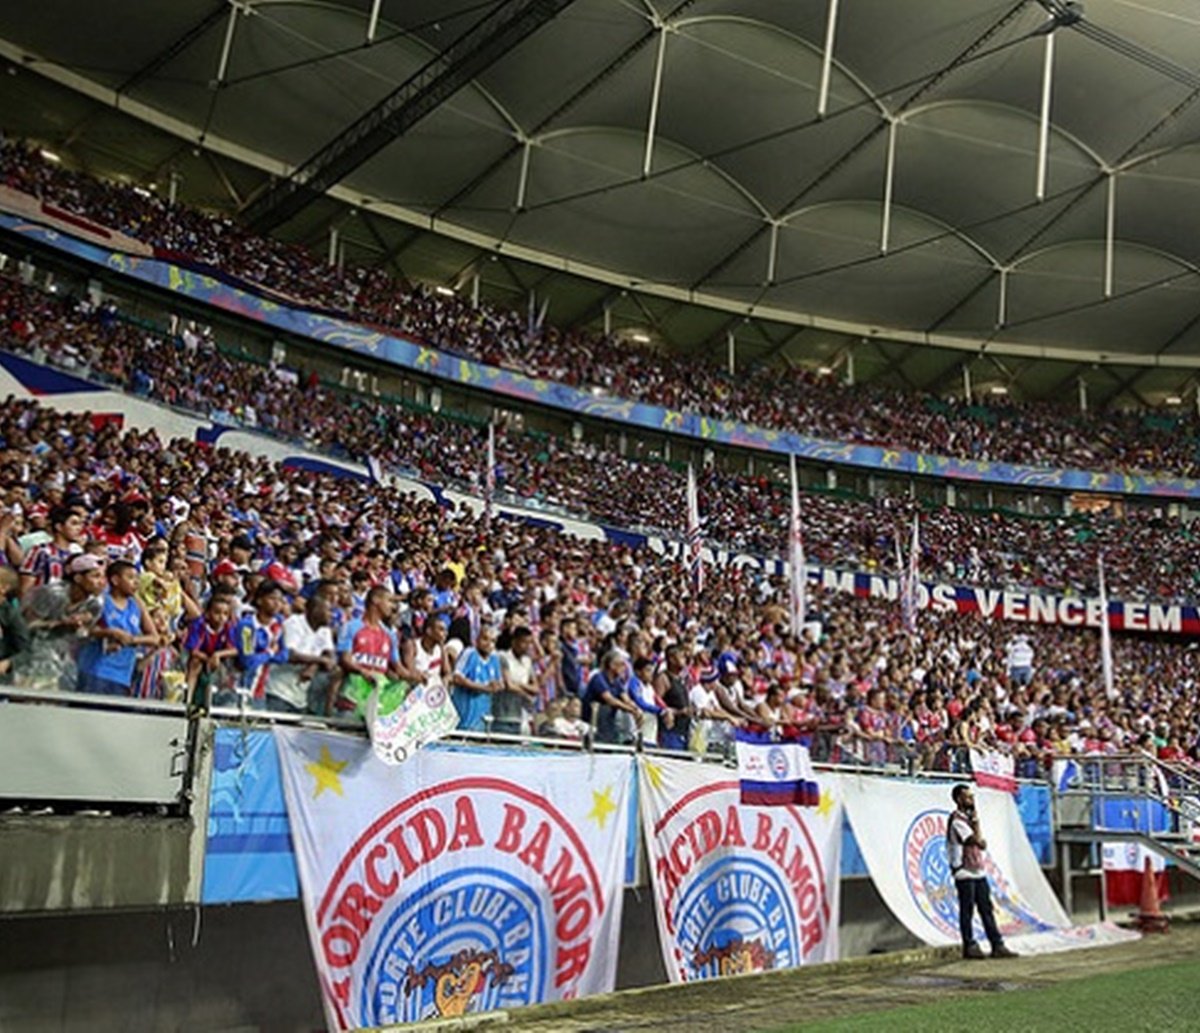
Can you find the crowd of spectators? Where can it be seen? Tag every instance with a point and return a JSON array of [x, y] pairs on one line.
[[777, 397], [141, 567], [1148, 554]]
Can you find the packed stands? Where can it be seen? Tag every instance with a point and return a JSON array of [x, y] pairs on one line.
[[131, 560], [1148, 554], [793, 399], [220, 537]]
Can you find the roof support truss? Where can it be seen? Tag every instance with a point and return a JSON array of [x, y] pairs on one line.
[[484, 43]]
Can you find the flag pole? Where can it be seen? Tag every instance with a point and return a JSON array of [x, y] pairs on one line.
[[798, 579], [1106, 663], [489, 476], [695, 559]]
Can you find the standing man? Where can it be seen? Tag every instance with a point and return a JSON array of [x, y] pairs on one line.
[[513, 708], [477, 677], [606, 697], [966, 846], [368, 650]]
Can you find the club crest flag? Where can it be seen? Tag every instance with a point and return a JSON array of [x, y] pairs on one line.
[[775, 772], [900, 828], [738, 888], [458, 881]]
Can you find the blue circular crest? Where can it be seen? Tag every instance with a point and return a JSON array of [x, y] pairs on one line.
[[736, 917], [777, 761], [469, 941]]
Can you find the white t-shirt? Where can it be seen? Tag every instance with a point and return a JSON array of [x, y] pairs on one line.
[[283, 680], [1020, 654], [702, 698], [428, 662]]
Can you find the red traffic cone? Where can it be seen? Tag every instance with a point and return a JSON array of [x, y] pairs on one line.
[[1150, 917]]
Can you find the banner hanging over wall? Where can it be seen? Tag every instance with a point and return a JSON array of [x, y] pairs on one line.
[[430, 893], [738, 889], [901, 830]]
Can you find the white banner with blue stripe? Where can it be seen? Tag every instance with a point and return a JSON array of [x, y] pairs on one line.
[[775, 771]]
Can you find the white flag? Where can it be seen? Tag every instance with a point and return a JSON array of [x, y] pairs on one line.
[[909, 579], [694, 543], [1106, 662], [798, 581]]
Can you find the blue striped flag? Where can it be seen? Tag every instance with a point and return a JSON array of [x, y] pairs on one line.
[[774, 772]]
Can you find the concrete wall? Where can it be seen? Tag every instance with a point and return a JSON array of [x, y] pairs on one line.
[[249, 966], [249, 969], [67, 863]]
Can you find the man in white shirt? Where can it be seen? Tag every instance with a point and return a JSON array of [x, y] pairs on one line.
[[512, 709], [303, 683], [1020, 660]]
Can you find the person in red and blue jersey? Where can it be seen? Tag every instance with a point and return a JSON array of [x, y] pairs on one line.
[[258, 638], [368, 646], [44, 564], [209, 642]]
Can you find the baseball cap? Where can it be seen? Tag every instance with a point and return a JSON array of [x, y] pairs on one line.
[[283, 577], [84, 562], [224, 568]]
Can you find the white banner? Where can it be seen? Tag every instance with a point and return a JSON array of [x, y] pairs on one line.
[[738, 889], [459, 881], [900, 828], [425, 715], [994, 770]]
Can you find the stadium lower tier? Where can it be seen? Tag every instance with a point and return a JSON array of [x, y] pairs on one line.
[[195, 537]]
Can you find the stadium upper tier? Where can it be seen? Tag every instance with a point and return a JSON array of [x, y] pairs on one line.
[[1149, 555], [774, 398]]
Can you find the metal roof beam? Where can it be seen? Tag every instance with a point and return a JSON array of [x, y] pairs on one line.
[[476, 50]]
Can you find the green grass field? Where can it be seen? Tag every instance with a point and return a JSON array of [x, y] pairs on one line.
[[1160, 999]]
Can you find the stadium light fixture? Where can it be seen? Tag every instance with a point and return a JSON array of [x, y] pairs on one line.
[[1174, 400], [824, 370], [999, 389], [444, 290], [640, 338], [50, 156]]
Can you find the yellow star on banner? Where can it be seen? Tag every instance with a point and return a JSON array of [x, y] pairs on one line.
[[325, 771], [825, 806], [654, 773], [602, 806]]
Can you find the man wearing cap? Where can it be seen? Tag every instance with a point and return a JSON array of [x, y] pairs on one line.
[[225, 577], [59, 613], [965, 845], [241, 551], [729, 688]]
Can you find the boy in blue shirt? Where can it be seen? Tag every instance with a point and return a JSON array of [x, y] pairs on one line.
[[107, 660]]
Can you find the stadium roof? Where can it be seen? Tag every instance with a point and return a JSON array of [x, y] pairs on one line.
[[668, 160]]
